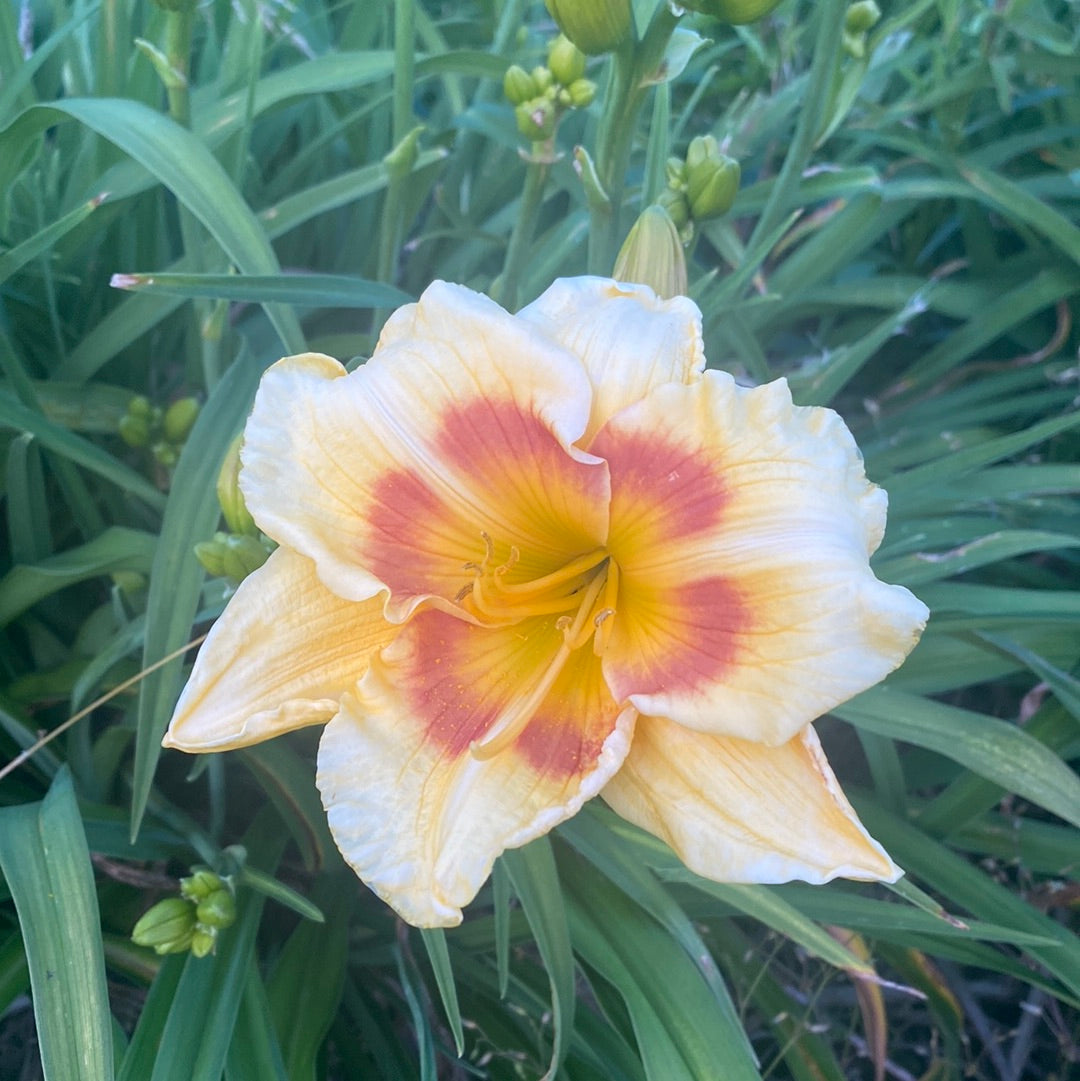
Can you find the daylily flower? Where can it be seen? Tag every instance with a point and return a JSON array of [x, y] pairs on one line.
[[525, 560]]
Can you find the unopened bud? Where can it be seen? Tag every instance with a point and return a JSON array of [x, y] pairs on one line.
[[712, 179], [211, 554], [242, 555], [518, 85], [861, 16], [653, 255], [165, 454], [134, 430], [140, 406], [201, 884], [402, 158], [202, 941], [218, 911], [565, 60], [179, 419], [543, 79], [581, 93], [168, 927], [735, 12], [675, 173], [536, 119], [594, 26], [233, 508]]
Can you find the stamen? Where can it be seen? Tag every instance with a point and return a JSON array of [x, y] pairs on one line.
[[604, 624], [574, 569], [515, 555], [579, 632]]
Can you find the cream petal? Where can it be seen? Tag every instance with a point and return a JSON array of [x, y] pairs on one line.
[[742, 526], [629, 339], [279, 657], [416, 813], [461, 425], [738, 811]]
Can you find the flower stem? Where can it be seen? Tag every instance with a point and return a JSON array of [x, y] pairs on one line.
[[179, 31], [631, 69], [505, 287], [402, 122]]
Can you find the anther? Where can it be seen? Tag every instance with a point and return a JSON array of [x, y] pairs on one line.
[[604, 613]]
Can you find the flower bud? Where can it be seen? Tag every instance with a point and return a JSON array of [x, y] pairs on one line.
[[536, 119], [233, 508], [594, 26], [218, 911], [712, 179], [134, 430], [165, 454], [735, 12], [581, 93], [179, 419], [167, 927], [202, 941], [518, 85], [861, 16], [211, 554], [402, 158], [675, 173], [653, 255], [242, 555], [543, 79], [201, 883], [139, 406], [565, 60]]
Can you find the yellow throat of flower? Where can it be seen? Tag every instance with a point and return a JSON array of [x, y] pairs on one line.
[[582, 593]]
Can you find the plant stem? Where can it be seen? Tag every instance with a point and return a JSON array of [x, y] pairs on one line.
[[505, 288], [632, 67], [401, 123]]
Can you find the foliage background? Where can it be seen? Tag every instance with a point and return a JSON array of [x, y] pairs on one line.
[[905, 247]]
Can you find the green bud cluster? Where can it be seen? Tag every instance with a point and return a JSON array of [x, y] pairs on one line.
[[860, 17], [701, 186], [542, 95], [193, 920], [163, 431]]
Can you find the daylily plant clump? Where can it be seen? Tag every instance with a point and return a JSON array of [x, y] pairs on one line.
[[530, 559]]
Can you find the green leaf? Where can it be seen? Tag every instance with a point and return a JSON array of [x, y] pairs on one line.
[[181, 162], [16, 258], [439, 956], [306, 290], [117, 549], [535, 879], [305, 988], [1001, 752], [13, 414], [176, 576], [682, 1032], [1013, 201], [46, 863]]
